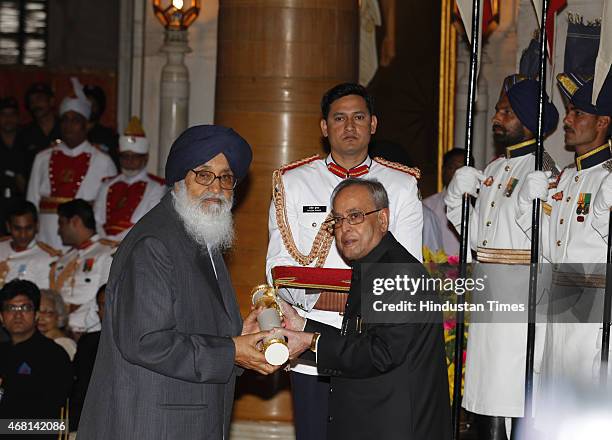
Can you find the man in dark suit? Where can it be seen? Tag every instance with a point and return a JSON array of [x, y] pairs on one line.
[[388, 380], [172, 337]]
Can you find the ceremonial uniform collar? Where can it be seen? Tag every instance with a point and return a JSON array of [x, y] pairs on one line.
[[87, 243], [521, 149], [28, 247], [594, 157], [142, 175], [359, 170], [72, 152]]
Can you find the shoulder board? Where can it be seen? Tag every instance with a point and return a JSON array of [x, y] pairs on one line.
[[48, 249], [107, 242], [413, 171], [5, 238], [109, 178], [548, 164], [298, 163], [157, 179], [607, 165]]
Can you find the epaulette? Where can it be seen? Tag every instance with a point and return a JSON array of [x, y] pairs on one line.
[[607, 165], [157, 179], [413, 171], [48, 249], [108, 178], [5, 238], [108, 242], [548, 164], [298, 163]]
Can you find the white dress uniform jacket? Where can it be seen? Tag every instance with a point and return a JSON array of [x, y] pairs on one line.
[[78, 275], [32, 264], [40, 185], [571, 233], [308, 188], [153, 192], [495, 363]]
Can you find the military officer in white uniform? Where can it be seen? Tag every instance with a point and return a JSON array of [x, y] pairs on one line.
[[72, 168], [126, 198], [84, 268], [298, 236], [495, 363], [21, 255], [575, 229]]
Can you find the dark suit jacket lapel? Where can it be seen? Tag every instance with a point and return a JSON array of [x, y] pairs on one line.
[[227, 290]]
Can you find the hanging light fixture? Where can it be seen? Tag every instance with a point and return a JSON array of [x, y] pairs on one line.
[[176, 14]]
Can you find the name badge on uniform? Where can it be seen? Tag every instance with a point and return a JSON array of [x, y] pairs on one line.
[[510, 186], [583, 205], [88, 266], [314, 209]]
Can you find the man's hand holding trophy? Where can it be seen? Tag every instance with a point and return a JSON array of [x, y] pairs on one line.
[[270, 316]]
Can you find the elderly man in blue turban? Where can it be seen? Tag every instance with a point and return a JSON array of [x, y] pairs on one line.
[[172, 338], [495, 363]]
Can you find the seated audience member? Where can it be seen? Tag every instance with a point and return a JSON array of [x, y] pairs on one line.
[[52, 318], [388, 381], [126, 198], [83, 363], [98, 134], [36, 372], [21, 255], [45, 127], [79, 273]]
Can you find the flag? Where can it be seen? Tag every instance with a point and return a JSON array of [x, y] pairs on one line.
[[604, 55], [485, 16], [553, 9]]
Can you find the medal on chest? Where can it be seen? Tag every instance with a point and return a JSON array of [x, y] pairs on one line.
[[488, 181], [88, 265], [582, 207], [510, 186]]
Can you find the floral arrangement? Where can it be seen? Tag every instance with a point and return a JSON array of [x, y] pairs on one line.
[[440, 265]]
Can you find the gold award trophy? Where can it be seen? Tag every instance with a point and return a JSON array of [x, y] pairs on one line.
[[274, 348]]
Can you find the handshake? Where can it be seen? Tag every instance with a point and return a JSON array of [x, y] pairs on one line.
[[253, 341]]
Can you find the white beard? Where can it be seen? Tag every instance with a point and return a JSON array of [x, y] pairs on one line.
[[210, 226]]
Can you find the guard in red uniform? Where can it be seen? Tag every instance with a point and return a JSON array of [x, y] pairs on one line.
[[69, 169], [126, 198]]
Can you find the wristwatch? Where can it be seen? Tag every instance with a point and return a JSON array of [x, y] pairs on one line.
[[313, 342]]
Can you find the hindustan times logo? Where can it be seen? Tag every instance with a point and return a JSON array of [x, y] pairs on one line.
[[423, 284]]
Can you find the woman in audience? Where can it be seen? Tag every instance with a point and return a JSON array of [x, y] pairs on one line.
[[52, 319]]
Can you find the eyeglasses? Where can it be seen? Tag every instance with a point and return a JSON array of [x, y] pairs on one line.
[[12, 308], [353, 218], [206, 178]]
